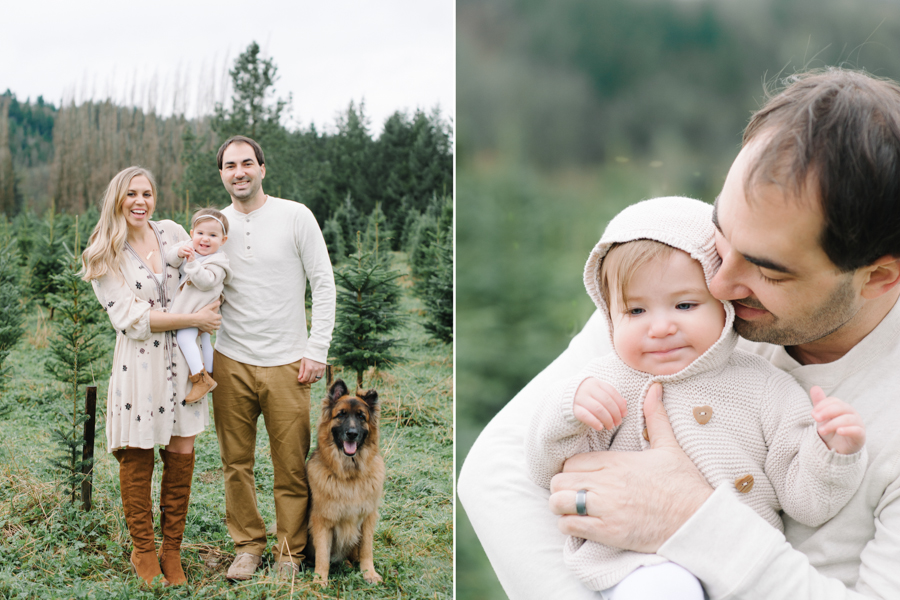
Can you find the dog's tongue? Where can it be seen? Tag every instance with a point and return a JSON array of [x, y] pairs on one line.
[[350, 448]]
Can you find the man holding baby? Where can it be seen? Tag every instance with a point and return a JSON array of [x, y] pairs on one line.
[[808, 230]]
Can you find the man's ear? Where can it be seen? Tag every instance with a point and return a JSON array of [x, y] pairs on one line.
[[883, 276], [262, 170]]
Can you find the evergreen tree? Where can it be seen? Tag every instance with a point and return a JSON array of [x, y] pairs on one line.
[[431, 264], [200, 184], [378, 234], [393, 171], [407, 227], [11, 315], [368, 311], [351, 156], [334, 240], [438, 217], [436, 288], [253, 79], [430, 159], [423, 232], [7, 172], [74, 358], [307, 159], [46, 251], [347, 224], [255, 113]]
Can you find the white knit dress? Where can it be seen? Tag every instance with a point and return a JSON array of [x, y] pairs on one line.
[[743, 422]]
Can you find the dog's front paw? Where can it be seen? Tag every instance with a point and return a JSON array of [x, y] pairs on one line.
[[371, 576], [321, 579]]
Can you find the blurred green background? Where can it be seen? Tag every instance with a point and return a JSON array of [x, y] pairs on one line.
[[569, 110]]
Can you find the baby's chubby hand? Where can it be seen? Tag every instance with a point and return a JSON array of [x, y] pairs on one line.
[[599, 405], [838, 423], [186, 251]]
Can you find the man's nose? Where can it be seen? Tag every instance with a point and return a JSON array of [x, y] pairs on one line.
[[727, 283]]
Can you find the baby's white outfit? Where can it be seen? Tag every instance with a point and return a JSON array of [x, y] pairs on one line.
[[744, 423], [201, 282]]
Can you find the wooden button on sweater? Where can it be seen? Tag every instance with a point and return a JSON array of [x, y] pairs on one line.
[[703, 414], [744, 484], [646, 434]]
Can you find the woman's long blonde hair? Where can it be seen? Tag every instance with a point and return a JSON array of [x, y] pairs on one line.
[[104, 252]]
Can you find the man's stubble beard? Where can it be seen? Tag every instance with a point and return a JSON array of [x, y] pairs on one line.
[[825, 319], [247, 195]]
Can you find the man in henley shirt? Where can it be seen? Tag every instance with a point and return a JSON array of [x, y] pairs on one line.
[[264, 361]]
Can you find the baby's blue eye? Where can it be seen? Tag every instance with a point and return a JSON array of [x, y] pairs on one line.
[[685, 306], [635, 311]]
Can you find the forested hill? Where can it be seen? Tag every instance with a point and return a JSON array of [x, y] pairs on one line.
[[65, 156], [581, 83]]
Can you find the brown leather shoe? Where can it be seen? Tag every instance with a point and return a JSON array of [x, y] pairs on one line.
[[174, 497], [243, 567], [135, 475], [203, 384]]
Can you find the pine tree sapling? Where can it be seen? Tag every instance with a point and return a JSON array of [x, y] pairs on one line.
[[349, 221], [74, 354], [438, 217], [368, 300], [436, 289], [377, 235], [11, 316], [46, 252]]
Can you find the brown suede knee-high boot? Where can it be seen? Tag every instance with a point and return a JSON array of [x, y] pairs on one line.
[[178, 470], [135, 475]]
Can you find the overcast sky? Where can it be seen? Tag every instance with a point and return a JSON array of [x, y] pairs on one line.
[[393, 54]]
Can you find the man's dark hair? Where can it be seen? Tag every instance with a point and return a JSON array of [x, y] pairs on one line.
[[838, 133], [242, 139]]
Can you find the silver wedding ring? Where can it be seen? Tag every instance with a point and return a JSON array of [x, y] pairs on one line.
[[581, 502]]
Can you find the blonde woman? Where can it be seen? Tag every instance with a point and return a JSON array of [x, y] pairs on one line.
[[125, 263]]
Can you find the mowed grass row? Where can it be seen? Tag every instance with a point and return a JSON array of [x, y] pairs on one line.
[[52, 549]]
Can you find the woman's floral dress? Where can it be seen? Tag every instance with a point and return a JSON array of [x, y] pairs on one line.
[[149, 380]]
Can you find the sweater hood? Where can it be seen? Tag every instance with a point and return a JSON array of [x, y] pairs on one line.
[[683, 223]]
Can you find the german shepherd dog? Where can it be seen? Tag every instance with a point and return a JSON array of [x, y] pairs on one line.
[[346, 477]]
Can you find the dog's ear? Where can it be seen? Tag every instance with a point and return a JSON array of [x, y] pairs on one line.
[[338, 390], [370, 398]]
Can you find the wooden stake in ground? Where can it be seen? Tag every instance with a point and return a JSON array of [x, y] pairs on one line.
[[87, 455]]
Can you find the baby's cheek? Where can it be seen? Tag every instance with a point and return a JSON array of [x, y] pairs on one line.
[[627, 345]]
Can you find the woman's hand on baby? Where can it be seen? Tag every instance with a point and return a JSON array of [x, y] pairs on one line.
[[599, 405], [186, 251], [838, 423], [208, 317]]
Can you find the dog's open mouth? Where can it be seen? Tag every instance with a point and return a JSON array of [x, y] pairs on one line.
[[349, 448]]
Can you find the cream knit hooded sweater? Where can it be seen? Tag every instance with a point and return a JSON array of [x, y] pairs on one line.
[[203, 280], [760, 429]]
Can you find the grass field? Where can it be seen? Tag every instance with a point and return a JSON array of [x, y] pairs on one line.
[[51, 549]]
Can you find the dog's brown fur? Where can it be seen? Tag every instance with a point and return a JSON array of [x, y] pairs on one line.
[[345, 491]]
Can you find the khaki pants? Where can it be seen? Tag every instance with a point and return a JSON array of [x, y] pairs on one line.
[[243, 392]]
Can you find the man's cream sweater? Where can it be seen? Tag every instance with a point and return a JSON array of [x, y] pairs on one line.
[[273, 251]]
